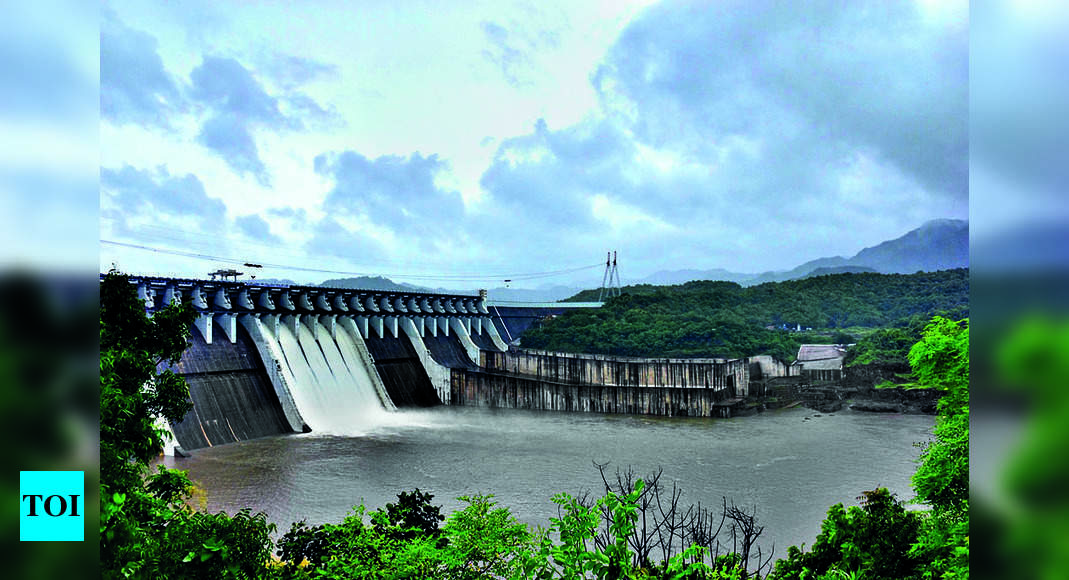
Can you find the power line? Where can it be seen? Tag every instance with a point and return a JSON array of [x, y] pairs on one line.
[[441, 277]]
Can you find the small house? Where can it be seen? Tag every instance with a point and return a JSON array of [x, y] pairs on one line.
[[820, 362]]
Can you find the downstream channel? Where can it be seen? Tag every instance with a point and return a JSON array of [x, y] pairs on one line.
[[791, 464]]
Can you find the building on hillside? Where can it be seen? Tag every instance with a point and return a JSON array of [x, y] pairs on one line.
[[820, 362]]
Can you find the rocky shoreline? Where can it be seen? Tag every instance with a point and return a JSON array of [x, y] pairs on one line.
[[832, 397], [888, 400]]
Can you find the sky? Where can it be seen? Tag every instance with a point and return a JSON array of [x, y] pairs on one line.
[[458, 144]]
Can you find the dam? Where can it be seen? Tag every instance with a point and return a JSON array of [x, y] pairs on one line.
[[267, 360]]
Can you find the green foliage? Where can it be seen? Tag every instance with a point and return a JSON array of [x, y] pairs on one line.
[[132, 393], [146, 530], [941, 360], [1033, 360], [479, 541], [723, 319], [885, 346], [485, 541], [412, 516], [875, 537]]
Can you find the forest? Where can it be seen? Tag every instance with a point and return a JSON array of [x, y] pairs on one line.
[[725, 320]]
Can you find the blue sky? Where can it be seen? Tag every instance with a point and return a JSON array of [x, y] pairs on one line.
[[436, 141]]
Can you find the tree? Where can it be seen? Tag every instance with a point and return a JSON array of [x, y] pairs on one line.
[[146, 530], [941, 360], [874, 538], [133, 394]]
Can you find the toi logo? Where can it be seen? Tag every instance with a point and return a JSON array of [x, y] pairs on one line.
[[52, 506]]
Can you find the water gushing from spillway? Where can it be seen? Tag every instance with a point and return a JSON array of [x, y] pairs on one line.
[[334, 389]]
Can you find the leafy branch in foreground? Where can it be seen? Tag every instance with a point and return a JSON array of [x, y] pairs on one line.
[[146, 529]]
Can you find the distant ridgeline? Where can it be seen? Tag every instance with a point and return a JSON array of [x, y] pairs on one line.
[[273, 359], [723, 319]]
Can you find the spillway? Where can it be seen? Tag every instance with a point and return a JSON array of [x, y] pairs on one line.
[[335, 389], [233, 399], [293, 375]]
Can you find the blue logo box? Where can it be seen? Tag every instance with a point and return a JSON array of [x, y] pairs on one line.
[[52, 506]]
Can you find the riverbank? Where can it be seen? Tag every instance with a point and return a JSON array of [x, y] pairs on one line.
[[832, 397]]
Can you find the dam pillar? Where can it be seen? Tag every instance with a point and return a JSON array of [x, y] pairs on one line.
[[269, 323], [360, 322], [203, 323], [229, 324], [443, 324], [277, 373], [390, 322], [350, 325], [465, 339], [171, 295], [376, 324], [495, 337], [146, 295], [439, 375]]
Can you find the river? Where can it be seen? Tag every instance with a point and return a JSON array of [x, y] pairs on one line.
[[790, 464]]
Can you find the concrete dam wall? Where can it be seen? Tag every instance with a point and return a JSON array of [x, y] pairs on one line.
[[538, 380], [605, 370], [267, 360], [233, 398], [483, 389], [301, 373]]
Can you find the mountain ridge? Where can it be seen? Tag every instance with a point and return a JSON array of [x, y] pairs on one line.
[[940, 244]]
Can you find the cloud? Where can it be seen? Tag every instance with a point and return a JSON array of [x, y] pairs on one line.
[[290, 72], [331, 238], [1019, 99], [238, 103], [300, 105], [397, 192], [752, 138], [135, 88], [255, 227], [550, 177], [868, 75], [160, 195], [229, 88], [230, 138], [298, 215], [512, 47]]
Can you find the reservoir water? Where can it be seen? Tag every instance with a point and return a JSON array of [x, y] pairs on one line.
[[791, 464]]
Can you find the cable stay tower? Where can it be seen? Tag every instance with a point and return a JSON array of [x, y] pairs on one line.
[[610, 281]]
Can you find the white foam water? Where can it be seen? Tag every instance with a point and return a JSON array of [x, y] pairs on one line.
[[335, 390]]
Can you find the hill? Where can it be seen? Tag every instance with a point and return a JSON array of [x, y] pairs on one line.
[[936, 245], [725, 319], [372, 283]]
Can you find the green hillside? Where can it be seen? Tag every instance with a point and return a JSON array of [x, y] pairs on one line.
[[724, 319]]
